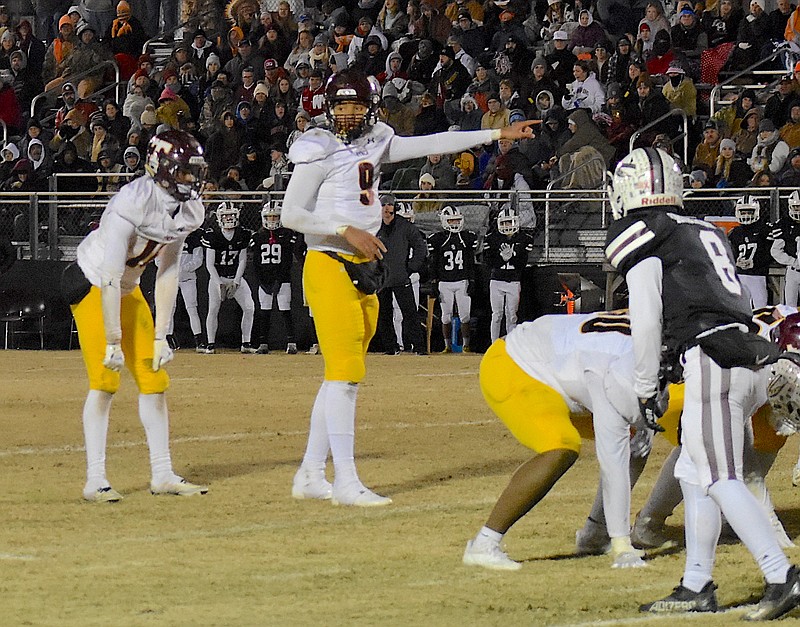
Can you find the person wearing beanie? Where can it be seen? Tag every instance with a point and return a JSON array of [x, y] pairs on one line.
[[172, 109], [132, 162], [790, 132], [424, 202], [771, 151], [730, 169], [200, 51], [449, 82], [680, 91], [497, 115], [125, 36], [562, 60], [26, 84], [753, 31], [56, 58], [688, 35]]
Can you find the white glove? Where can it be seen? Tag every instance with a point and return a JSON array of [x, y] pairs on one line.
[[506, 252], [223, 291], [114, 359], [414, 277], [232, 287], [162, 354], [744, 264], [795, 264], [642, 441], [745, 46]]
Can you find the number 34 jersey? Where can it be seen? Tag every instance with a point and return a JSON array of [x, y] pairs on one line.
[[273, 252], [452, 255], [700, 289], [226, 261]]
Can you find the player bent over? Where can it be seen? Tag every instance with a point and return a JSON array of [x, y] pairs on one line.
[[149, 217], [534, 380], [684, 292], [332, 200]]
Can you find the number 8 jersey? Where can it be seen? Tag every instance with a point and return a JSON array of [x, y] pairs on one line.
[[700, 289]]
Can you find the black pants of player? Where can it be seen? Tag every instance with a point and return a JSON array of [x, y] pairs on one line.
[[412, 333]]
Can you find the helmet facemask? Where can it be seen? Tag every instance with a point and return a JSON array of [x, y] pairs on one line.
[[227, 216], [452, 219], [271, 218], [794, 206], [508, 223], [748, 210]]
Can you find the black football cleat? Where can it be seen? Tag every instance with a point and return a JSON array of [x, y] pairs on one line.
[[778, 599], [684, 600]]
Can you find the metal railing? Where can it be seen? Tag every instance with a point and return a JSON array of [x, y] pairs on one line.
[[55, 91], [683, 135], [747, 71]]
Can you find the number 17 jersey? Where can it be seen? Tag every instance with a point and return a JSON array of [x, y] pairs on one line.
[[700, 289]]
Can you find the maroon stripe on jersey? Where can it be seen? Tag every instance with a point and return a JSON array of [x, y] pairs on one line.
[[707, 427], [612, 252], [727, 430]]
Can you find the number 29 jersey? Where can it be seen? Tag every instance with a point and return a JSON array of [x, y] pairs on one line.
[[273, 253], [226, 260], [700, 289], [451, 256]]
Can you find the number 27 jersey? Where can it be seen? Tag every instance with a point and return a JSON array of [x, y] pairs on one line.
[[700, 289]]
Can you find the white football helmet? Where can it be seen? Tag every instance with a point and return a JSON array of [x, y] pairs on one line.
[[507, 221], [647, 177], [452, 219], [406, 210], [271, 216], [748, 210], [227, 215], [794, 206]]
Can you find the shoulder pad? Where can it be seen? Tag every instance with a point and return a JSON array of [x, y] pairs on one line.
[[313, 145]]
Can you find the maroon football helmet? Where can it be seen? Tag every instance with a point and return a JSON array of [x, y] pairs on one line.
[[789, 333], [175, 160], [351, 86]]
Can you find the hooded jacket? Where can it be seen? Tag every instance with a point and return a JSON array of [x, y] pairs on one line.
[[586, 134]]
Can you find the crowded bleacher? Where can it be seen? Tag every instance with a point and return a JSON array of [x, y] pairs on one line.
[[85, 86]]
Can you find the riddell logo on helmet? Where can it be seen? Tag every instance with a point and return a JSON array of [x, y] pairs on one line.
[[659, 199]]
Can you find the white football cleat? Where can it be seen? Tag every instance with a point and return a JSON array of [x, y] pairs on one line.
[[308, 486], [359, 496], [179, 487], [796, 476], [488, 555], [313, 350], [102, 495], [628, 559]]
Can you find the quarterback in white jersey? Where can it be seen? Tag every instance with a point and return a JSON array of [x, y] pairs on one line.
[[332, 200], [148, 218], [540, 376]]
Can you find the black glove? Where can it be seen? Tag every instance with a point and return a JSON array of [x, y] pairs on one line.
[[648, 408]]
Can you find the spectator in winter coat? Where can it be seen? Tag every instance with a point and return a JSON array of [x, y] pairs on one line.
[[585, 92], [497, 116], [587, 34], [771, 151], [790, 132], [680, 91], [585, 133]]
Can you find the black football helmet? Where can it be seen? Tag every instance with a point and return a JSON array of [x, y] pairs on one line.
[[351, 86], [175, 161]]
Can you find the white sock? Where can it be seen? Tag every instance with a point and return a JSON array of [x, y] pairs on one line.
[[318, 445], [703, 525], [751, 523], [154, 417], [340, 417], [490, 536], [96, 410], [666, 493]]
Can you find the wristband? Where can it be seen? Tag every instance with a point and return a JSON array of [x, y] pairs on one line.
[[341, 229]]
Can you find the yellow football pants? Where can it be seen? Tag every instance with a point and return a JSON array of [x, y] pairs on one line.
[[138, 335], [535, 413], [345, 319]]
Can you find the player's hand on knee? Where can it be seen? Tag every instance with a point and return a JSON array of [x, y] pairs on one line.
[[232, 288], [114, 359], [650, 411], [223, 291], [162, 354]]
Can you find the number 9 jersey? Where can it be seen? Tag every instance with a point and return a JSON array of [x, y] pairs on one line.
[[700, 289]]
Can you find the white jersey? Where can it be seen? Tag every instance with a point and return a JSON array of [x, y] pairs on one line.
[[156, 219], [559, 350], [349, 192]]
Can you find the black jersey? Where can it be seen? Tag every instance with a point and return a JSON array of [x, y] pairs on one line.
[[192, 241], [228, 250], [751, 245], [452, 255], [786, 241], [700, 289], [273, 254], [520, 245]]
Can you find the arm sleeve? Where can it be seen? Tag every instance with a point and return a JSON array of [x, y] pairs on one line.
[[211, 257], [402, 148], [195, 260], [166, 286], [300, 194], [420, 251], [779, 254], [116, 253], [644, 289]]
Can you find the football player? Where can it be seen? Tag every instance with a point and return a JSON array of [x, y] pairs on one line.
[[538, 380], [684, 292], [785, 249], [191, 260], [226, 259], [149, 217], [273, 247], [751, 243], [451, 261], [505, 252], [332, 199], [406, 210]]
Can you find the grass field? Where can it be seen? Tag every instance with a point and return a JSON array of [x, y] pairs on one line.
[[248, 554]]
